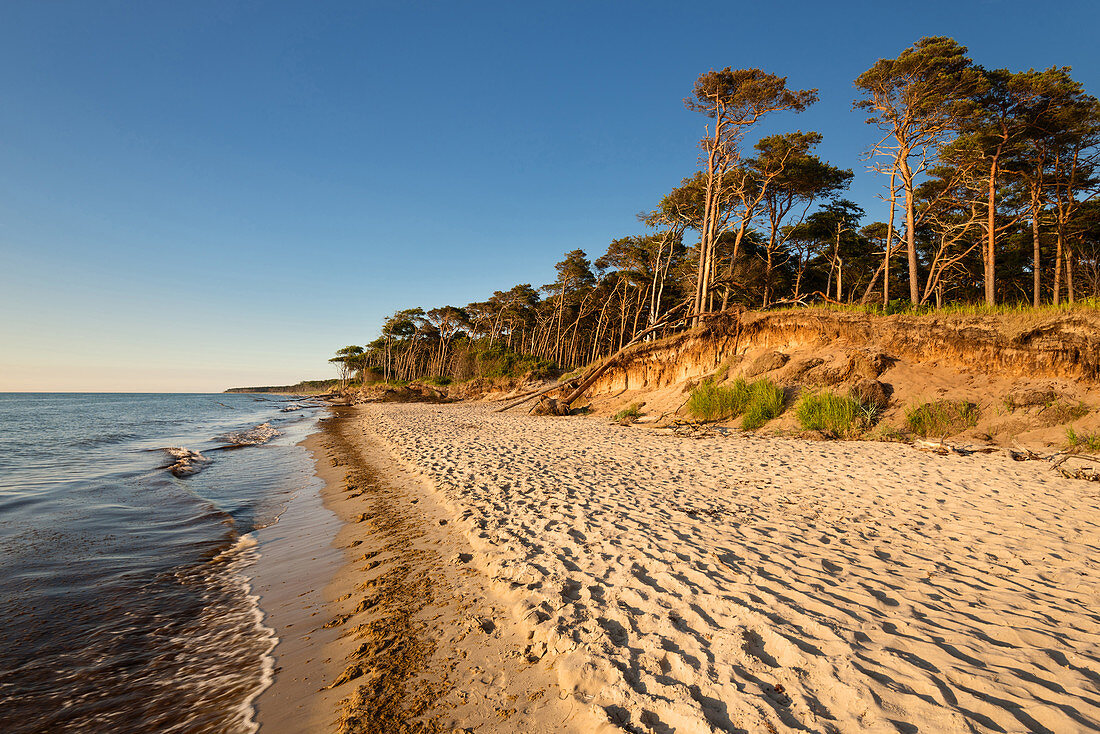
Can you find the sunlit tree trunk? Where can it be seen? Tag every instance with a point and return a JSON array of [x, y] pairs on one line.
[[990, 259], [910, 224], [889, 239], [1035, 279]]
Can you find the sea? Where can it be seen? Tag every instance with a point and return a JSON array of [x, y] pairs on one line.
[[128, 529]]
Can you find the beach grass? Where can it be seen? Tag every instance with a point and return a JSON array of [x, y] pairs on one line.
[[1078, 442], [766, 400], [629, 414], [712, 402], [829, 412], [941, 417], [757, 402]]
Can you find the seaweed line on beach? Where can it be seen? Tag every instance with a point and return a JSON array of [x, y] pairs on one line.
[[390, 650], [429, 644]]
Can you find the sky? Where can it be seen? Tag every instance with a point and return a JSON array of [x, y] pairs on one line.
[[198, 195]]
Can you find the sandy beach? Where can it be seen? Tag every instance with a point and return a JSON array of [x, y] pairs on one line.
[[424, 640], [514, 573]]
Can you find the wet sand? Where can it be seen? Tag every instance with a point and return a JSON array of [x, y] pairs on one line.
[[298, 559]]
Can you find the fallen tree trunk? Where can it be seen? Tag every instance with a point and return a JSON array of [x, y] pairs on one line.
[[587, 378], [564, 380], [527, 397]]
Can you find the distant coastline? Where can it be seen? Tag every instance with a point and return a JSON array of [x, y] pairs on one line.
[[305, 387]]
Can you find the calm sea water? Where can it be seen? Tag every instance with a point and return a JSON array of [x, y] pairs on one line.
[[125, 604]]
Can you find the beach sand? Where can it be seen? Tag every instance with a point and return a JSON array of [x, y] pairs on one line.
[[590, 575], [425, 640]]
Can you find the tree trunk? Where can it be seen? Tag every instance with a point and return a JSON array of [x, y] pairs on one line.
[[655, 313], [1058, 265], [839, 267], [1069, 272], [910, 226], [991, 238], [622, 316], [638, 309], [708, 215], [889, 239], [871, 284], [768, 276], [1035, 293]]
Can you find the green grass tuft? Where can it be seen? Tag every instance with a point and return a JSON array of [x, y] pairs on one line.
[[758, 402], [629, 414], [765, 402], [941, 417], [828, 412], [709, 402], [1078, 442]]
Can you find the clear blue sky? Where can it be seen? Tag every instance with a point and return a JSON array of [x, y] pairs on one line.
[[196, 194]]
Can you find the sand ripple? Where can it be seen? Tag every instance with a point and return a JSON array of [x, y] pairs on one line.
[[745, 584]]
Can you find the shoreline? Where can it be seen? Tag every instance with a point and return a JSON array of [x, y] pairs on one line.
[[297, 561]]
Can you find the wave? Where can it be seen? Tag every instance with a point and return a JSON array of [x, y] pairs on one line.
[[252, 437], [187, 462], [303, 403], [244, 553]]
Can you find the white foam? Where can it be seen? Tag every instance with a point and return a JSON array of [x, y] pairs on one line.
[[244, 553], [188, 462], [254, 436]]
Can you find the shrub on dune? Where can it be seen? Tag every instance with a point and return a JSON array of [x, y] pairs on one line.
[[765, 402]]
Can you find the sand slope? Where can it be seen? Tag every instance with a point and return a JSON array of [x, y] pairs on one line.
[[763, 585]]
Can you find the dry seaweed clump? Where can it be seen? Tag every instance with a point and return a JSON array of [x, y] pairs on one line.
[[941, 417]]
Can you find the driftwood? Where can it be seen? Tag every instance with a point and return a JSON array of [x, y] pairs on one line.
[[1086, 472], [1057, 460], [549, 406], [943, 448], [528, 396], [696, 429], [563, 380]]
